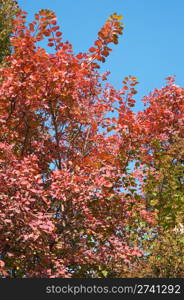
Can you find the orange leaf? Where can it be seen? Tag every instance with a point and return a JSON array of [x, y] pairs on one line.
[[92, 49], [98, 43]]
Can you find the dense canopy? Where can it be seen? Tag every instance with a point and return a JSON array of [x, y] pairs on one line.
[[83, 178]]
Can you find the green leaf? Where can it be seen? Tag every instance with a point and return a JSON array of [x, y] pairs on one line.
[[182, 240], [104, 272]]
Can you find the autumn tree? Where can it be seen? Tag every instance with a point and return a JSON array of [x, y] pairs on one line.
[[161, 161], [70, 205], [63, 211]]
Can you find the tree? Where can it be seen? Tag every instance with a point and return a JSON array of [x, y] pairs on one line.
[[8, 10], [63, 212], [161, 158], [162, 153], [164, 257], [70, 206]]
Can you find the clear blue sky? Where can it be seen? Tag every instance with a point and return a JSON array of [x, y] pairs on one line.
[[151, 48]]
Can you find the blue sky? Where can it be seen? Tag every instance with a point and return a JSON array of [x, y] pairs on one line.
[[151, 48]]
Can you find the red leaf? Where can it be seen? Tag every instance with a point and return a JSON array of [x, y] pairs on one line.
[[92, 49], [55, 28], [58, 33], [79, 56], [108, 184], [46, 33]]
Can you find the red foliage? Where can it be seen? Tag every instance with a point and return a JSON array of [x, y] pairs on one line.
[[63, 206]]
